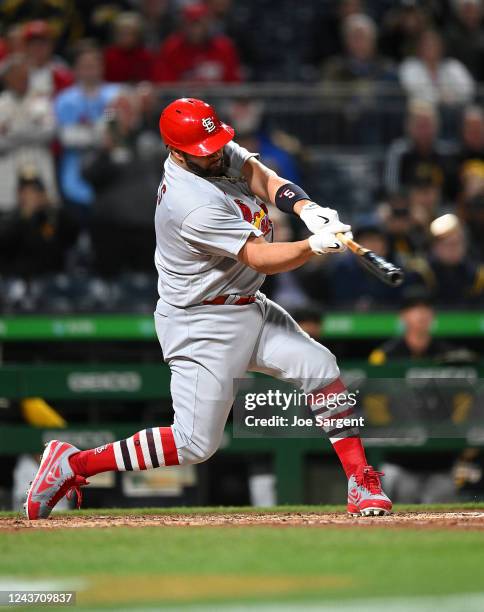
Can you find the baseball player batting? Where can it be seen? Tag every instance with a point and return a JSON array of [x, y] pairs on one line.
[[213, 250]]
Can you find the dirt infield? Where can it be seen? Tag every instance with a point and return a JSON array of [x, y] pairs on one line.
[[405, 520]]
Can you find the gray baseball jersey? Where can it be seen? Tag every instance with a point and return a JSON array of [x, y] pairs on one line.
[[201, 225]]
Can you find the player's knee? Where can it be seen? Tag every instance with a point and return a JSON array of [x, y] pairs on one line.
[[196, 447], [321, 364], [201, 452]]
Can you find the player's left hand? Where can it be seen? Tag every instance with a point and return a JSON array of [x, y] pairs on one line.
[[319, 219]]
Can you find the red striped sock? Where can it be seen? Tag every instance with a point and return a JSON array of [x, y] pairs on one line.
[[147, 449], [346, 441]]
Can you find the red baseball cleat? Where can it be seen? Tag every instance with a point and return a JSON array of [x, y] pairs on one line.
[[365, 495], [54, 480]]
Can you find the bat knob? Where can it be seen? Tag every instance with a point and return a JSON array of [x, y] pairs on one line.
[[396, 277]]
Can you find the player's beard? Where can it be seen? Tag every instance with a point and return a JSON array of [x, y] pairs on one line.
[[217, 169]]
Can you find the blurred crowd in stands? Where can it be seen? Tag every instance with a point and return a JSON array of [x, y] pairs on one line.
[[82, 86]]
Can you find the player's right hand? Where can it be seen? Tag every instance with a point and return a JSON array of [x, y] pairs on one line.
[[326, 242]]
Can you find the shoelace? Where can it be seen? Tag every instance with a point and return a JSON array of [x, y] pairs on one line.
[[68, 488], [369, 478]]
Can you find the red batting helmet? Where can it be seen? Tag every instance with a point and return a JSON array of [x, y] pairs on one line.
[[192, 126]]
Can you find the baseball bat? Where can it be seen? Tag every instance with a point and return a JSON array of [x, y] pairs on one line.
[[379, 266]]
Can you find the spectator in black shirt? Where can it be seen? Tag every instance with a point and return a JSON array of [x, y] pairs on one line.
[[406, 235], [417, 316], [450, 273], [63, 16], [326, 39], [471, 155], [472, 134], [424, 202], [401, 30], [36, 237], [465, 36], [474, 215], [360, 62], [420, 155], [125, 174]]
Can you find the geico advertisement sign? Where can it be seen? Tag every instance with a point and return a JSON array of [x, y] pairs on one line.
[[81, 382]]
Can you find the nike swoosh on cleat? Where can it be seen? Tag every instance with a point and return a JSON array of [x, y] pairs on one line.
[[52, 476], [39, 481]]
